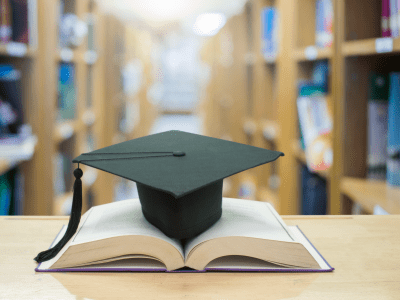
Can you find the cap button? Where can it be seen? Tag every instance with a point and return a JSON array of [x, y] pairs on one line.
[[178, 153]]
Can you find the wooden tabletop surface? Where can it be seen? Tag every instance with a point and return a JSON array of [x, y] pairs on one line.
[[364, 250]]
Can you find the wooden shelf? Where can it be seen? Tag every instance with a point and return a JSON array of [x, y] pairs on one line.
[[312, 53], [66, 129], [68, 55], [88, 117], [21, 153], [370, 193], [17, 50], [249, 126], [270, 130], [301, 156], [366, 47]]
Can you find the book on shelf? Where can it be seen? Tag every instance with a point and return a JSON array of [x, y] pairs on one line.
[[11, 192], [11, 111], [5, 21], [313, 193], [20, 28], [14, 21], [269, 33], [66, 92], [393, 18], [377, 125], [393, 144], [385, 16], [315, 126], [250, 236], [324, 23]]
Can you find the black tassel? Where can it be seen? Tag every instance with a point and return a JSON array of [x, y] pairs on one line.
[[73, 223]]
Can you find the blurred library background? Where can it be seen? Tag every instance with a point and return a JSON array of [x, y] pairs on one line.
[[316, 79]]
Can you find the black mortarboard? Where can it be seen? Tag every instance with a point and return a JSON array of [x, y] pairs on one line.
[[179, 178]]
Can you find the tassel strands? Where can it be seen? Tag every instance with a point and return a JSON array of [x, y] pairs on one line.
[[73, 223]]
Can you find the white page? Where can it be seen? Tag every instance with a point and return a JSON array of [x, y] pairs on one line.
[[244, 218], [119, 219]]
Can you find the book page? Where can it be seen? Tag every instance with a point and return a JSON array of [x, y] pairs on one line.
[[118, 219], [244, 218]]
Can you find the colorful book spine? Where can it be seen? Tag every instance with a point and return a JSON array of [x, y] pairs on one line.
[[318, 25], [377, 125], [66, 92], [394, 30], [328, 23], [5, 23], [385, 18], [10, 93], [5, 194], [313, 191], [393, 146], [269, 32], [20, 31]]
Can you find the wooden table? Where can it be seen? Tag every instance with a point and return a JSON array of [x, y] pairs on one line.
[[364, 250]]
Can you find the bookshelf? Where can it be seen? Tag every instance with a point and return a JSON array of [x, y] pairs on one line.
[[357, 50], [23, 56]]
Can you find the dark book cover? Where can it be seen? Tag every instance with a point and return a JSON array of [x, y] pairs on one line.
[[20, 31]]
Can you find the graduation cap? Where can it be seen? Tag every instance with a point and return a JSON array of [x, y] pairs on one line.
[[179, 179]]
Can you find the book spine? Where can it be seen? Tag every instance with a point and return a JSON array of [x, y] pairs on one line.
[[329, 23], [264, 31], [393, 164], [393, 18], [5, 194], [398, 16], [385, 18], [377, 122], [10, 92], [314, 196], [20, 32], [318, 23], [5, 25]]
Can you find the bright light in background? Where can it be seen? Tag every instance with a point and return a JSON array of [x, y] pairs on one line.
[[209, 24]]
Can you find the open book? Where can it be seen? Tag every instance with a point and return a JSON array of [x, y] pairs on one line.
[[250, 236]]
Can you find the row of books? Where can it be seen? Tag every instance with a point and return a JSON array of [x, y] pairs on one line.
[[390, 18], [11, 193], [383, 124], [14, 21]]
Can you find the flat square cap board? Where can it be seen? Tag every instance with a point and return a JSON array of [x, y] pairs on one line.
[[204, 160], [179, 176]]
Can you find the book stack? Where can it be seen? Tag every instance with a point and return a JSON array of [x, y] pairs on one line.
[[324, 23], [14, 21], [390, 18]]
